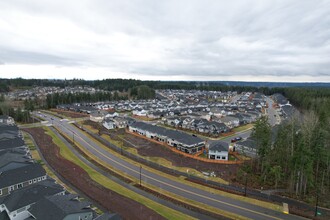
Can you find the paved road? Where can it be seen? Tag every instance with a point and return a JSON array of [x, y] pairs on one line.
[[224, 203], [273, 117], [235, 98], [242, 134]]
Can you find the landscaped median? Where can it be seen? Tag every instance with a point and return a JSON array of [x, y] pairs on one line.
[[116, 197], [237, 197]]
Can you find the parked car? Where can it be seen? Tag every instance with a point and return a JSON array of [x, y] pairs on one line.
[[236, 139]]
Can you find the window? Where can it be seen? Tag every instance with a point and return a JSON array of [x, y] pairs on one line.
[[39, 179], [223, 158], [0, 191], [20, 185], [218, 157], [11, 188], [30, 181], [44, 177]]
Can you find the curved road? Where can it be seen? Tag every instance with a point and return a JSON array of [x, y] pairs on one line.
[[217, 201]]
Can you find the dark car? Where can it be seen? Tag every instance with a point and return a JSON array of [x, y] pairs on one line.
[[236, 139]]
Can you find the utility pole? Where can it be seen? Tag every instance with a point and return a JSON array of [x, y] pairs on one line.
[[140, 174], [245, 184]]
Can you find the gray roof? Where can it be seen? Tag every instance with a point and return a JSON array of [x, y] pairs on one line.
[[8, 131], [58, 207], [22, 174], [219, 146], [10, 137], [9, 156], [181, 137], [30, 194], [11, 143], [13, 165]]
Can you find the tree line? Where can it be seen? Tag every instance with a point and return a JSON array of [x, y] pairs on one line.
[[52, 100], [295, 156]]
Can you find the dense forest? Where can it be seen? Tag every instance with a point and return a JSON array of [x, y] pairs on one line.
[[52, 100], [295, 157]]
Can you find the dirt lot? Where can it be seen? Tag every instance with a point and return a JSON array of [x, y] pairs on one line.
[[151, 149], [70, 113], [127, 208]]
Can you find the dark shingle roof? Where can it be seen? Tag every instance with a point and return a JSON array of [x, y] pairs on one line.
[[176, 135], [22, 174], [11, 143], [13, 165], [58, 207], [219, 146], [9, 156], [30, 194]]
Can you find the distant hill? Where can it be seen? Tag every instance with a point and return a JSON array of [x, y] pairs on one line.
[[267, 84]]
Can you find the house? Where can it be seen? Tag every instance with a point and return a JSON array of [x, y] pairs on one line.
[[63, 207], [18, 203], [155, 115], [112, 115], [6, 120], [218, 150], [97, 116], [230, 121], [186, 123], [180, 140], [13, 179], [139, 112], [173, 121], [109, 123], [120, 122]]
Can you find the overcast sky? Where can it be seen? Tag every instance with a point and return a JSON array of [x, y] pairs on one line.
[[246, 40]]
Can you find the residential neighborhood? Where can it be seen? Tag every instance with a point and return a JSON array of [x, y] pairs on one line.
[[26, 190], [181, 113]]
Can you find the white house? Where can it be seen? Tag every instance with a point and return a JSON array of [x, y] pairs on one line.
[[97, 116], [218, 150], [108, 123]]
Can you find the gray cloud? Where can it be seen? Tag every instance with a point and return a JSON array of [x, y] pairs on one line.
[[191, 39]]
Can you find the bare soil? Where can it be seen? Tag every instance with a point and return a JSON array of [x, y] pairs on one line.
[[127, 208]]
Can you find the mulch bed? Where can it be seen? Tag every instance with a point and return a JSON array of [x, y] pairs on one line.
[[127, 208]]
